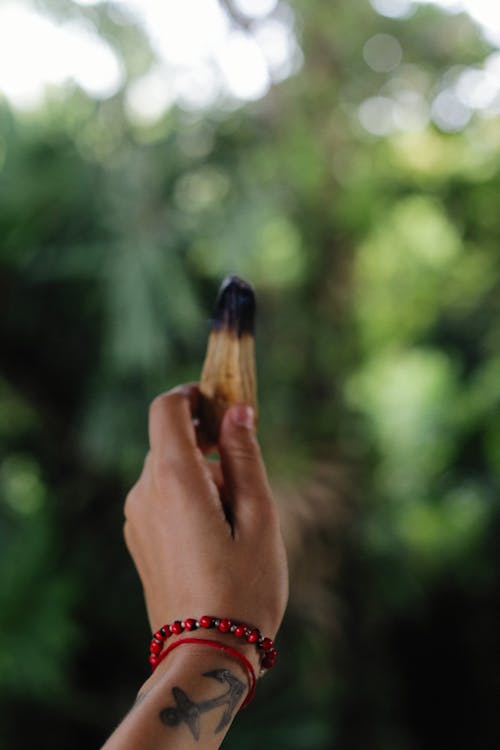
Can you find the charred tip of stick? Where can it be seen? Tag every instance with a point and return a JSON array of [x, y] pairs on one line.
[[235, 307]]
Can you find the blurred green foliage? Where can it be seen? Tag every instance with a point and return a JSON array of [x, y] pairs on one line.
[[376, 264]]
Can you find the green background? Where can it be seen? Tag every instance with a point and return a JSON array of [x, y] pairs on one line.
[[376, 264]]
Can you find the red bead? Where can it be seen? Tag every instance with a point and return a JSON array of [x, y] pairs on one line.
[[254, 636], [206, 621], [153, 660], [225, 626], [160, 636], [271, 654], [155, 648], [267, 663], [267, 644], [190, 624], [177, 627], [240, 631]]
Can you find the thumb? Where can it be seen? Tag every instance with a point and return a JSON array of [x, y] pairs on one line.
[[245, 477]]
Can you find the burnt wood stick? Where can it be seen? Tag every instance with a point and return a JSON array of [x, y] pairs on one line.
[[228, 376]]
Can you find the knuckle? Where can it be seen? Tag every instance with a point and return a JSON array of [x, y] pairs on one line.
[[166, 470], [262, 516], [128, 535], [163, 466], [267, 515], [156, 406], [270, 512], [136, 493], [165, 405], [244, 453], [130, 503], [167, 398], [126, 531]]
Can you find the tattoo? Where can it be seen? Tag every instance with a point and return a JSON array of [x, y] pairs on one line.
[[189, 712]]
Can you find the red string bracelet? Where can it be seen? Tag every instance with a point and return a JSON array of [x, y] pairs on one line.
[[221, 647]]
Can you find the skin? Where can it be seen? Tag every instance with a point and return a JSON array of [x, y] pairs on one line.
[[205, 539]]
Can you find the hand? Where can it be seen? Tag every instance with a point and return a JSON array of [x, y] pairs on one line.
[[205, 536]]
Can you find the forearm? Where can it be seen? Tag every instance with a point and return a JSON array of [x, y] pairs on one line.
[[189, 702]]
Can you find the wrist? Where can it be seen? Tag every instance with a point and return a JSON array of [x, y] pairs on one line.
[[248, 650], [194, 657], [198, 688], [243, 637], [221, 649], [184, 654]]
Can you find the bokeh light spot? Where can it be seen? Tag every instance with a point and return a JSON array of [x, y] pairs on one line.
[[255, 8], [411, 113], [22, 488], [394, 8], [201, 190], [449, 113], [195, 42], [149, 97], [36, 52], [277, 42], [376, 115], [244, 67], [279, 253], [383, 53], [476, 89]]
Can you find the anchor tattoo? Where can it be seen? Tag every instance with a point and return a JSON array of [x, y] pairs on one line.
[[189, 712]]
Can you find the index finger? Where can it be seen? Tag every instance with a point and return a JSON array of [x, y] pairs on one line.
[[171, 428], [177, 460]]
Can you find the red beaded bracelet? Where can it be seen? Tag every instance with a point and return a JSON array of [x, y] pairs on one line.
[[265, 646]]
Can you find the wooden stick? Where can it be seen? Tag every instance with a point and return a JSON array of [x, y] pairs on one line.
[[228, 376]]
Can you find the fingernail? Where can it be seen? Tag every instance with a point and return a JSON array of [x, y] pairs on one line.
[[243, 416]]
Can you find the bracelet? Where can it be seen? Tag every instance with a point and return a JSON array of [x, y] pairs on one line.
[[265, 646], [221, 647]]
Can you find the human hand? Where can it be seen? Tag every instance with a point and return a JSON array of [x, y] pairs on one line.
[[205, 536]]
